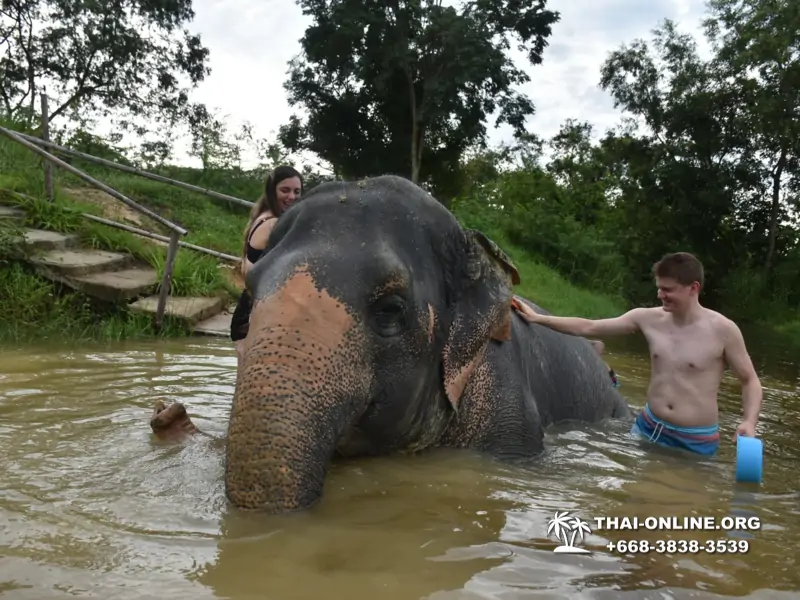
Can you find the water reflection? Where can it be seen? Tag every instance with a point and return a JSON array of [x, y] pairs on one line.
[[92, 505]]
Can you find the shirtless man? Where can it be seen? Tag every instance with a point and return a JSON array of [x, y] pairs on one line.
[[689, 346]]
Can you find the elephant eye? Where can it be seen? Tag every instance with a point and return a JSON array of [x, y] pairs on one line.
[[389, 315]]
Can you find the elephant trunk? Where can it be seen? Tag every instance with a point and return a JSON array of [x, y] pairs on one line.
[[279, 440], [300, 384]]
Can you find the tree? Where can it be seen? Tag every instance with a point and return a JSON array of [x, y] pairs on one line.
[[405, 86], [578, 166], [212, 143], [685, 166], [100, 56], [757, 51]]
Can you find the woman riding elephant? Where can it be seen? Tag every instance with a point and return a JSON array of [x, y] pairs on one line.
[[283, 187]]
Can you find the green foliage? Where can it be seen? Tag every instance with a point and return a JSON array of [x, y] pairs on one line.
[[193, 274], [211, 225], [539, 282], [535, 213], [758, 56], [99, 56], [700, 170], [11, 247], [405, 88]]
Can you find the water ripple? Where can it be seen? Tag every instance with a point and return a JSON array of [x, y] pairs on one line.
[[91, 505]]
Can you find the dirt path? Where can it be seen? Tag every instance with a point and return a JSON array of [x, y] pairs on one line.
[[112, 208]]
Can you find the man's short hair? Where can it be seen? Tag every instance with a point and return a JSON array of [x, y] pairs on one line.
[[683, 267]]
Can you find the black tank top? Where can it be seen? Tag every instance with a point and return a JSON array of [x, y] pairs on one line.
[[253, 254]]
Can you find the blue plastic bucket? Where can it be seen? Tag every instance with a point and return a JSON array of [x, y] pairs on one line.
[[749, 459]]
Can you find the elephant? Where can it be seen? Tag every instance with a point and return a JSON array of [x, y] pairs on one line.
[[381, 325]]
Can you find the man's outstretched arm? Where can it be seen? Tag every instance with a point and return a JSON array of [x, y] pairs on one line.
[[739, 361], [627, 323]]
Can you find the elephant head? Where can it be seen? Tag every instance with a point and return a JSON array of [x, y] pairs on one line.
[[372, 308]]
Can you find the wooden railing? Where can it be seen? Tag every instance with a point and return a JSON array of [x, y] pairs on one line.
[[176, 231]]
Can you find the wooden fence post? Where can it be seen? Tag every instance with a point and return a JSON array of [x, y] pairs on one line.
[[48, 168], [166, 281]]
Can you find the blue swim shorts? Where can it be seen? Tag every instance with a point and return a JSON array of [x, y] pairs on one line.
[[700, 440]]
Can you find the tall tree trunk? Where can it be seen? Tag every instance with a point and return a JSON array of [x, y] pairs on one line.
[[417, 143], [416, 137], [414, 162], [777, 174]]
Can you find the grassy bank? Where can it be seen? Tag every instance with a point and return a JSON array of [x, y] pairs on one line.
[[35, 308], [39, 309], [553, 292]]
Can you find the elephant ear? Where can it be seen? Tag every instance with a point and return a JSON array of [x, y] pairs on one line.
[[495, 252], [482, 311]]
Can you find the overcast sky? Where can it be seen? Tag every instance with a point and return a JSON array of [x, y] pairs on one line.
[[251, 42]]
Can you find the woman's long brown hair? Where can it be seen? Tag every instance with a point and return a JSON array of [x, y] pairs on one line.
[[269, 200]]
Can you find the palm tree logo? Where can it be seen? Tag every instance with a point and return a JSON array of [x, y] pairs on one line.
[[566, 529]]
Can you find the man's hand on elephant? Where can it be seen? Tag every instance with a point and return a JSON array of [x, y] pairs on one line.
[[525, 311]]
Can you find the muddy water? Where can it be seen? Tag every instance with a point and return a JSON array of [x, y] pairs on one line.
[[91, 506]]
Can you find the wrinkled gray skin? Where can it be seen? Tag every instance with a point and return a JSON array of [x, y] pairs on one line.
[[381, 326]]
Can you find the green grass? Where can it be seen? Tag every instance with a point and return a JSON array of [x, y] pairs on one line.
[[551, 291], [35, 309], [790, 329], [211, 223], [554, 293]]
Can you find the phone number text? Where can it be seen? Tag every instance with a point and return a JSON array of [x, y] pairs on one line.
[[726, 546]]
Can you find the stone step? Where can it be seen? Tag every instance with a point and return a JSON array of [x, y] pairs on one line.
[[218, 325], [79, 262], [114, 286], [10, 212], [189, 309], [42, 239], [114, 277]]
